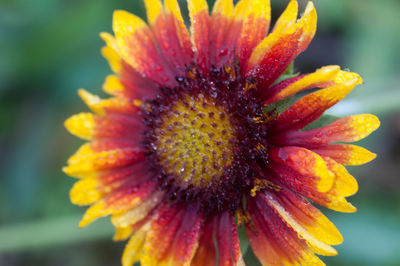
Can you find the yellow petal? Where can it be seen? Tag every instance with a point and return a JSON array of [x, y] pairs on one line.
[[255, 8], [322, 76], [359, 155], [340, 205], [319, 101], [81, 166], [138, 213], [82, 152], [196, 6], [100, 209], [288, 17], [318, 169], [328, 76], [125, 25], [111, 44], [153, 9], [223, 7], [113, 58], [93, 213], [360, 126], [344, 77], [345, 184], [325, 231], [134, 249], [93, 101], [287, 26], [307, 163], [112, 85], [173, 7], [317, 245], [122, 233], [84, 192], [81, 125], [100, 106], [307, 258], [308, 23]]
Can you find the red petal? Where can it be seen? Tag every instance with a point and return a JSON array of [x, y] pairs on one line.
[[173, 236], [334, 199], [273, 242], [200, 29], [322, 78], [186, 239], [346, 154], [135, 85], [136, 44], [115, 105], [89, 164], [117, 126], [223, 34], [346, 129], [206, 253], [170, 33], [267, 93], [130, 83], [114, 178], [112, 144], [227, 240], [255, 16], [162, 234], [309, 168], [311, 107], [306, 215], [273, 55], [275, 61], [119, 200]]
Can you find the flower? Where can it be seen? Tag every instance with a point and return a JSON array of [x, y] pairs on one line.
[[195, 141]]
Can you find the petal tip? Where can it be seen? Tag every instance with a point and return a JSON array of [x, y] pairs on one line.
[[65, 170], [84, 192], [80, 125], [374, 121], [105, 36], [153, 9]]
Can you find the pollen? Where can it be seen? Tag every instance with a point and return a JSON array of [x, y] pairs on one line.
[[263, 184], [195, 140]]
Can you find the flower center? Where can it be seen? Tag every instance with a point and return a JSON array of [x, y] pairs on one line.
[[194, 141], [206, 137]]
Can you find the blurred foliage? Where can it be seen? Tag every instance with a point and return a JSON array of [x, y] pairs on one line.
[[50, 48]]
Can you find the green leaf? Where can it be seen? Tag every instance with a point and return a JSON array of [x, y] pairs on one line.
[[321, 122], [244, 242], [289, 70], [279, 106], [287, 74]]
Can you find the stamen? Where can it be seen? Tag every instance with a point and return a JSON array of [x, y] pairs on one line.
[[137, 103], [249, 85], [261, 148], [230, 71], [261, 184], [243, 217], [265, 118], [190, 73], [201, 141]]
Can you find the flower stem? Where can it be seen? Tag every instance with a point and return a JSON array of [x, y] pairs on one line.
[[52, 232]]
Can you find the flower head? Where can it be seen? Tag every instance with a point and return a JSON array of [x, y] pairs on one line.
[[194, 143]]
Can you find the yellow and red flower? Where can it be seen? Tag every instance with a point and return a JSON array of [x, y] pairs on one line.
[[192, 145]]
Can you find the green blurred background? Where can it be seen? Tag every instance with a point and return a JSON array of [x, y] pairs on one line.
[[50, 48]]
